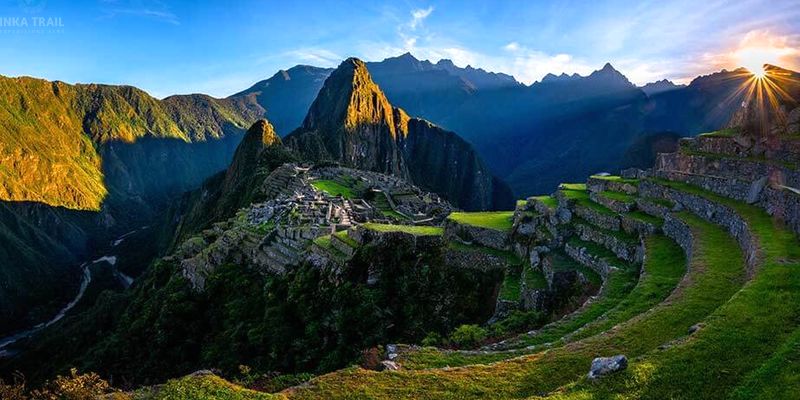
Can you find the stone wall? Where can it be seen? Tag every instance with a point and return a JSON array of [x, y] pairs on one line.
[[473, 259], [627, 250], [581, 255], [491, 238], [712, 212], [597, 185]]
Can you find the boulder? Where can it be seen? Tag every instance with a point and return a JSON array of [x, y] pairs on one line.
[[389, 366], [602, 366]]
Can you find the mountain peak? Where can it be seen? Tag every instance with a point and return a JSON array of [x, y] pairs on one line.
[[349, 98], [264, 132]]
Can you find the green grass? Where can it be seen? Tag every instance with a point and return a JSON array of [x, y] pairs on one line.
[[344, 237], [200, 387], [645, 217], [573, 186], [510, 289], [497, 220], [324, 241], [333, 188], [616, 178], [533, 278], [410, 229], [749, 346], [664, 267], [521, 203], [547, 200], [618, 196], [581, 198], [716, 274]]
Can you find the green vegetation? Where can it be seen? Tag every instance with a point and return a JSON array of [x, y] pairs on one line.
[[323, 241], [547, 200], [200, 387], [533, 278], [497, 220], [522, 203], [510, 290], [746, 348], [344, 237], [618, 196], [410, 229], [333, 188], [577, 192], [468, 335], [616, 178]]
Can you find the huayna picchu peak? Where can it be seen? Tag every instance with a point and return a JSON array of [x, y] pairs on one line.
[[352, 122], [513, 201]]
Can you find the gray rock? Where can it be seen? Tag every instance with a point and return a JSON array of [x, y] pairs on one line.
[[602, 366], [694, 328], [755, 190], [387, 365]]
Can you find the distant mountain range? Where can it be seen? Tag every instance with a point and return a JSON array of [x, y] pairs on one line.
[[532, 136]]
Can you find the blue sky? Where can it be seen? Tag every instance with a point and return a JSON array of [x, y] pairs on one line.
[[168, 47]]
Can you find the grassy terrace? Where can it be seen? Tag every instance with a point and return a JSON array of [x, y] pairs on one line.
[[333, 188], [618, 196], [577, 193], [410, 229], [344, 237], [749, 346], [547, 200], [715, 275], [616, 178], [497, 220]]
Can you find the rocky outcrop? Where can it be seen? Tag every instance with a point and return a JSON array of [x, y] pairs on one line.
[[352, 122]]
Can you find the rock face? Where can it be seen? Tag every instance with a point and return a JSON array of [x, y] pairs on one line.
[[602, 366], [352, 122]]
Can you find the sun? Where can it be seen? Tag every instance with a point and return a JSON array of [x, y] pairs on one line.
[[758, 72], [754, 58]]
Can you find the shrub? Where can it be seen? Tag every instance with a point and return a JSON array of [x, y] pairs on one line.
[[517, 321], [432, 339], [467, 335]]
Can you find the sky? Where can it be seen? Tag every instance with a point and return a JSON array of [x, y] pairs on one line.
[[222, 47]]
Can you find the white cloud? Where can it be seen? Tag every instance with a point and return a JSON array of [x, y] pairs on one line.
[[512, 47], [315, 56], [418, 16]]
